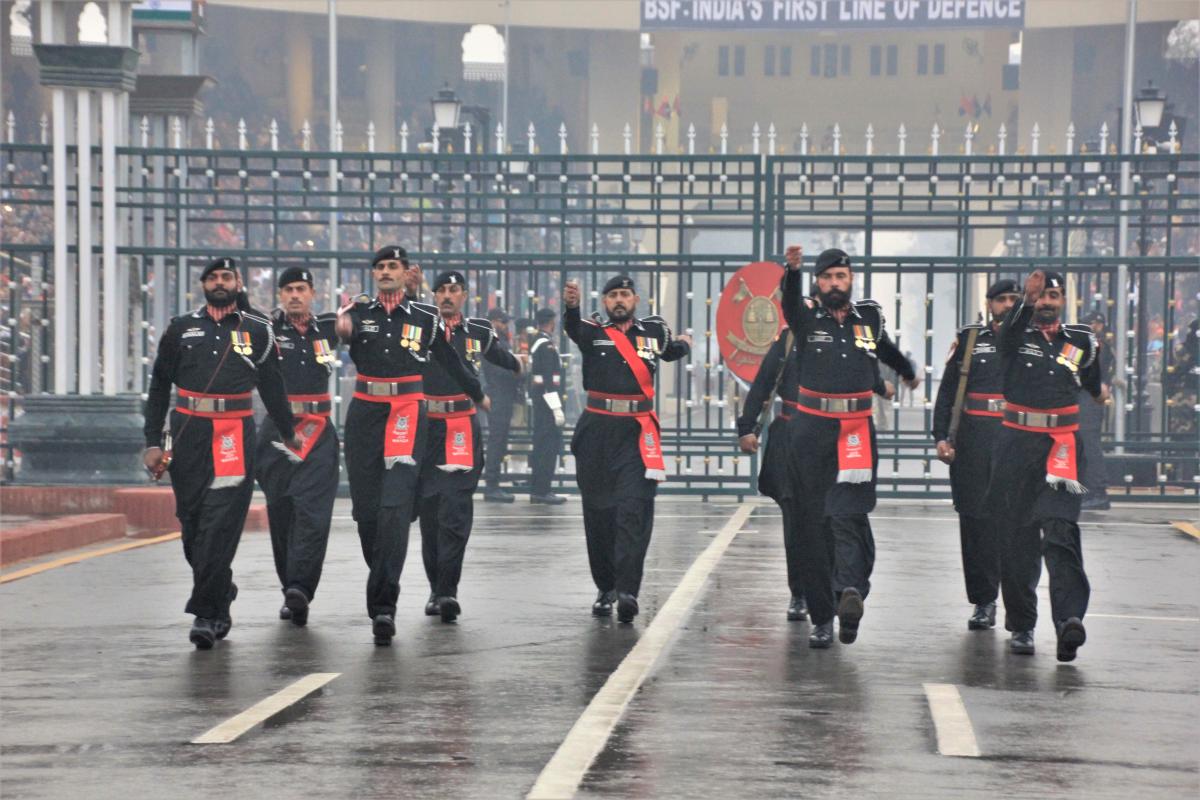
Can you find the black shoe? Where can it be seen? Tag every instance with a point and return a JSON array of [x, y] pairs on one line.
[[449, 608], [498, 496], [1095, 502], [604, 603], [202, 634], [384, 628], [627, 607], [797, 609], [547, 499], [285, 612], [297, 602], [984, 617], [431, 607], [821, 637], [1021, 643], [1071, 636], [849, 611], [222, 625]]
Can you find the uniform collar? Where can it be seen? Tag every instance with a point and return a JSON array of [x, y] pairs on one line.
[[202, 312], [377, 303], [637, 323], [853, 312]]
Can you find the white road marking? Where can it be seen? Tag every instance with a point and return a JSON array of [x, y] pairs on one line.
[[587, 738], [1147, 619], [955, 737], [260, 712]]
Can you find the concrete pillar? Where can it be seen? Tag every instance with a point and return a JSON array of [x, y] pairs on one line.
[[1047, 74], [87, 345], [381, 86], [299, 67]]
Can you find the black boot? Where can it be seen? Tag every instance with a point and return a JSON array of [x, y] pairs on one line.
[[1071, 636], [431, 607], [627, 607], [449, 608], [285, 612], [604, 603], [821, 636], [547, 499], [297, 602], [984, 617], [497, 496], [797, 609], [850, 612], [384, 628], [202, 634], [1021, 643]]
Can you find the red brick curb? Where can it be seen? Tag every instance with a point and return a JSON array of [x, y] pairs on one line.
[[40, 538]]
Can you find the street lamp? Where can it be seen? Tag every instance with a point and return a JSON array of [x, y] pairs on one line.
[[1150, 104], [446, 106]]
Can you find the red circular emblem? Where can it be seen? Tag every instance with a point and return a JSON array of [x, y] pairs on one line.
[[749, 317]]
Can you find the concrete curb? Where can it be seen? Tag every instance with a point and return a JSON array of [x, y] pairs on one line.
[[43, 537]]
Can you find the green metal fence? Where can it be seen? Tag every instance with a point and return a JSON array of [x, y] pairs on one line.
[[928, 232]]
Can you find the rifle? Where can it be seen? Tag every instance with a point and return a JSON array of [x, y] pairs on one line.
[[787, 351], [961, 394]]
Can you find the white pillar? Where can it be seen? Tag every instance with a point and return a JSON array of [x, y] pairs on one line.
[[86, 344], [115, 294], [64, 279], [1120, 389]]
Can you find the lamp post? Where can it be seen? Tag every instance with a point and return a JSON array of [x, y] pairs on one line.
[[446, 107], [1149, 106]]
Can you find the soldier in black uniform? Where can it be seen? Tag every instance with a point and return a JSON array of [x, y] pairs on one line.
[[391, 341], [779, 374], [1091, 421], [454, 455], [301, 486], [503, 386], [832, 438], [545, 392], [969, 452], [216, 356], [617, 443], [1037, 462]]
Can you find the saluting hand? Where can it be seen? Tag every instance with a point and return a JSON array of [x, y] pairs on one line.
[[571, 294], [793, 255], [1035, 284], [685, 338], [412, 279]]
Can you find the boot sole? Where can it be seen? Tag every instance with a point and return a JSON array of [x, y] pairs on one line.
[[432, 610], [449, 609], [202, 641], [604, 611], [820, 644], [976, 625], [792, 617], [626, 612], [383, 633], [1071, 639], [297, 603]]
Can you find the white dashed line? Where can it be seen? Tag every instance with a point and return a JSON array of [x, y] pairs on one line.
[[955, 737], [263, 710]]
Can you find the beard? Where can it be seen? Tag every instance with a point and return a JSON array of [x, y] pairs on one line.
[[834, 299], [219, 298], [1045, 315], [620, 313]]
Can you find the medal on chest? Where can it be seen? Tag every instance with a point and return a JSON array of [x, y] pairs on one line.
[[474, 348], [323, 352], [864, 337], [241, 343], [410, 336], [646, 346], [1070, 357]]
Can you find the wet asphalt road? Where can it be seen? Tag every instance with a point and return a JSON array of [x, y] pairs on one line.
[[100, 692]]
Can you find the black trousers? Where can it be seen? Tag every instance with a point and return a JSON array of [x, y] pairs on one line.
[[836, 552], [980, 541], [1058, 542], [1092, 472], [547, 446], [446, 520], [299, 506], [211, 520], [792, 549], [617, 540], [384, 500], [499, 426]]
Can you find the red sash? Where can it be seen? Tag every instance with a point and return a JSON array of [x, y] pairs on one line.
[[400, 433], [228, 444], [460, 439], [650, 439], [855, 457], [1062, 464], [309, 427]]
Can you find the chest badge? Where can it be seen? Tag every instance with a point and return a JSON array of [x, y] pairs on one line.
[[410, 336], [864, 337], [646, 346], [241, 343], [323, 352], [1070, 357]]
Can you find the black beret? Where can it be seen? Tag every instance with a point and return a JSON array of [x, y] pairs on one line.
[[544, 315], [1094, 316], [498, 313], [449, 277], [1055, 280], [294, 275], [619, 282], [216, 264], [1002, 286], [833, 257], [393, 252]]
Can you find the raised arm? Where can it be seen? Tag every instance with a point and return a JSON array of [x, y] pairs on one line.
[[1008, 340]]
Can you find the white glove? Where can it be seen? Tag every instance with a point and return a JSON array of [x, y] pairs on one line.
[[555, 403]]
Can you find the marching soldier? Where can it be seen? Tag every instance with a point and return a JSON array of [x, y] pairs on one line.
[[779, 374], [617, 443], [545, 392], [216, 356], [454, 455], [503, 387], [301, 486], [1037, 462], [966, 421], [392, 339], [832, 438]]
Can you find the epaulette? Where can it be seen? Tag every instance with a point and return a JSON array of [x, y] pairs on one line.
[[426, 307], [328, 316], [258, 317], [867, 304]]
